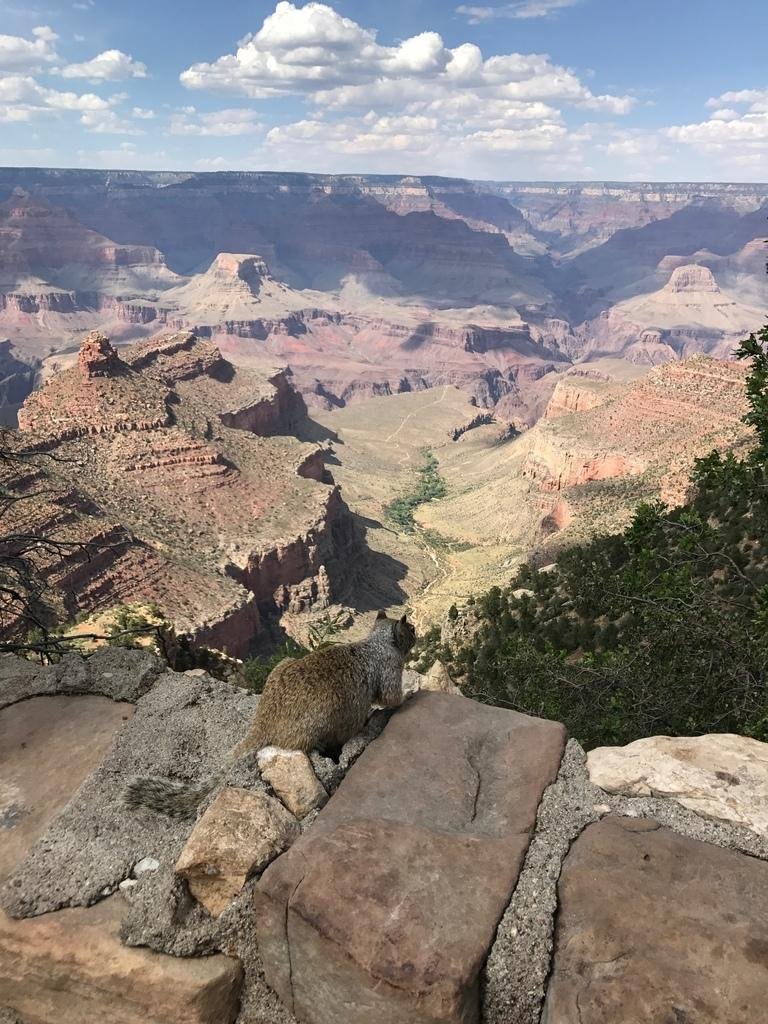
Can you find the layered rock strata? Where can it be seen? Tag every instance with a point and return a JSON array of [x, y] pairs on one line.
[[189, 468]]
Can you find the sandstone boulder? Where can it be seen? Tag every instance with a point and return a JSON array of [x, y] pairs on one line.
[[721, 775], [438, 680], [70, 967], [291, 776], [237, 836], [384, 911], [655, 927]]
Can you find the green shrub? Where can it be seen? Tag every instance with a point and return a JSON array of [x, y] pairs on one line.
[[662, 629]]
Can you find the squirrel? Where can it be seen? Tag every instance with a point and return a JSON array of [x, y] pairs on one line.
[[317, 702]]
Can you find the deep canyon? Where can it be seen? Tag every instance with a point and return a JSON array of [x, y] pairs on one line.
[[563, 349]]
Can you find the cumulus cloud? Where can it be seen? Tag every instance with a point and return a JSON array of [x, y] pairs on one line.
[[416, 97], [22, 99], [316, 52], [522, 9], [235, 121], [737, 136], [108, 122], [109, 66], [18, 55]]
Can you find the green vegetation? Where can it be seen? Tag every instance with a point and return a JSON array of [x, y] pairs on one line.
[[662, 629], [430, 485], [439, 542]]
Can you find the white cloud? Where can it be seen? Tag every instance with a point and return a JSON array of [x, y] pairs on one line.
[[107, 122], [446, 107], [109, 66], [142, 114], [738, 137], [22, 99], [756, 98], [234, 121], [126, 157], [20, 55], [331, 60], [522, 9], [28, 157]]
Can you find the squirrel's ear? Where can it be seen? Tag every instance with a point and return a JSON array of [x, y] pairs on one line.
[[380, 615], [404, 619]]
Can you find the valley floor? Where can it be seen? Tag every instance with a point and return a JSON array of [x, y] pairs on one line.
[[459, 546]]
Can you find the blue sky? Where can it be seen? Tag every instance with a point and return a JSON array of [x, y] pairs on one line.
[[504, 89]]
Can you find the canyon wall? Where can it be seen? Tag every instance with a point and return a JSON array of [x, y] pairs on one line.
[[182, 494]]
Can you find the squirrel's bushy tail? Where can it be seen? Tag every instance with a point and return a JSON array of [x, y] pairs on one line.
[[176, 799]]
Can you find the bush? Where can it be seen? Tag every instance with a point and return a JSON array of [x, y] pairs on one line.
[[662, 629]]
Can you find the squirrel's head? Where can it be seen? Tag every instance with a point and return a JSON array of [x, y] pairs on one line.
[[403, 631]]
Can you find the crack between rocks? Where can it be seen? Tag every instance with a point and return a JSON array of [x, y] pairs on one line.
[[572, 762]]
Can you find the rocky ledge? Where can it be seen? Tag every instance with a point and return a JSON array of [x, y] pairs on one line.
[[465, 868], [178, 468]]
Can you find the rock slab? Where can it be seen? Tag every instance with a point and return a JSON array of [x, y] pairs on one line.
[[653, 926], [48, 746], [720, 776], [70, 967], [384, 911], [237, 835]]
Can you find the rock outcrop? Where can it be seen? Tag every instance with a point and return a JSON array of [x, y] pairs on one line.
[[720, 776], [578, 391], [554, 468], [182, 468], [100, 396], [464, 845], [368, 908], [651, 430]]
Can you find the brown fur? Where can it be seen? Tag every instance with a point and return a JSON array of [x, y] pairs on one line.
[[317, 702], [322, 700]]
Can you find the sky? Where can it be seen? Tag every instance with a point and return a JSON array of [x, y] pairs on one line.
[[635, 90]]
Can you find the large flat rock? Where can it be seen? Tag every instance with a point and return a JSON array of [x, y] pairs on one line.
[[48, 747], [655, 927], [721, 775], [70, 967], [384, 912]]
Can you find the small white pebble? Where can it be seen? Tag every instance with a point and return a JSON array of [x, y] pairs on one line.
[[127, 883], [146, 864], [601, 808]]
